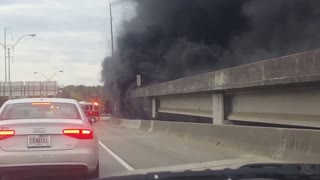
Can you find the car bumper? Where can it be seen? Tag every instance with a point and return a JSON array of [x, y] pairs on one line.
[[44, 170], [87, 158]]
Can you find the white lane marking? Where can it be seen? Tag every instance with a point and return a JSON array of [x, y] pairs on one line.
[[122, 162], [128, 137]]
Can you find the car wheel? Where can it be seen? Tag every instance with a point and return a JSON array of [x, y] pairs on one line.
[[95, 173]]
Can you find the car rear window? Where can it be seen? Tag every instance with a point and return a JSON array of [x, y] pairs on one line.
[[40, 110]]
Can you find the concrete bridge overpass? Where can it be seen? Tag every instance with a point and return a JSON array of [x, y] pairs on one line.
[[283, 91]]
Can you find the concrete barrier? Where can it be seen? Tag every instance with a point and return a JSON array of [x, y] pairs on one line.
[[301, 145], [292, 145], [105, 118], [145, 125], [254, 140], [115, 121], [131, 123]]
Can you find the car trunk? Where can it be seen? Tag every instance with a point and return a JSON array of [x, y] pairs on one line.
[[39, 134]]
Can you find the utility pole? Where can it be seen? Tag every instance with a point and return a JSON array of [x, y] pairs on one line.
[[5, 54], [111, 29], [9, 78]]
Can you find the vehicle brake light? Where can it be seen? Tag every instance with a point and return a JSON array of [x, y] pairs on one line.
[[4, 134], [78, 133], [86, 131], [40, 103]]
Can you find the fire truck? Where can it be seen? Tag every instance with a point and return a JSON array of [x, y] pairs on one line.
[[91, 109]]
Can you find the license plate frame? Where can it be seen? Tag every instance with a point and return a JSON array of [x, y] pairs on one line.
[[32, 142]]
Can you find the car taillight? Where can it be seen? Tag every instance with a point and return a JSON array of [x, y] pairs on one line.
[[78, 133], [4, 134]]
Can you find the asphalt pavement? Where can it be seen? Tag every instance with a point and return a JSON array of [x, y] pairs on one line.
[[125, 150]]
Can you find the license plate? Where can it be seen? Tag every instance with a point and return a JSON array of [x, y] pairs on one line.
[[39, 140]]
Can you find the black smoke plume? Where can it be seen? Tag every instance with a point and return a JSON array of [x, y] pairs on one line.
[[170, 39]]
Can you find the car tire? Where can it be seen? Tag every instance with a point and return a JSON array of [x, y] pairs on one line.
[[95, 173]]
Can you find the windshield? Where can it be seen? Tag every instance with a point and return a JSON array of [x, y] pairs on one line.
[[41, 110], [160, 85]]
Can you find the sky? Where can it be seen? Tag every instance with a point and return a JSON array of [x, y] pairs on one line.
[[72, 35]]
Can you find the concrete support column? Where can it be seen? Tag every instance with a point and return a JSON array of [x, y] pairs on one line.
[[218, 108], [154, 107]]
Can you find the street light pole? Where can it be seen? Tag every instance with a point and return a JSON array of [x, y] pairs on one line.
[[41, 86], [111, 22], [4, 46], [111, 29], [5, 54], [55, 74], [9, 48], [9, 78], [48, 79], [52, 76], [42, 75]]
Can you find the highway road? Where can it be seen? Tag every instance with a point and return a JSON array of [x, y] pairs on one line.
[[125, 150]]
